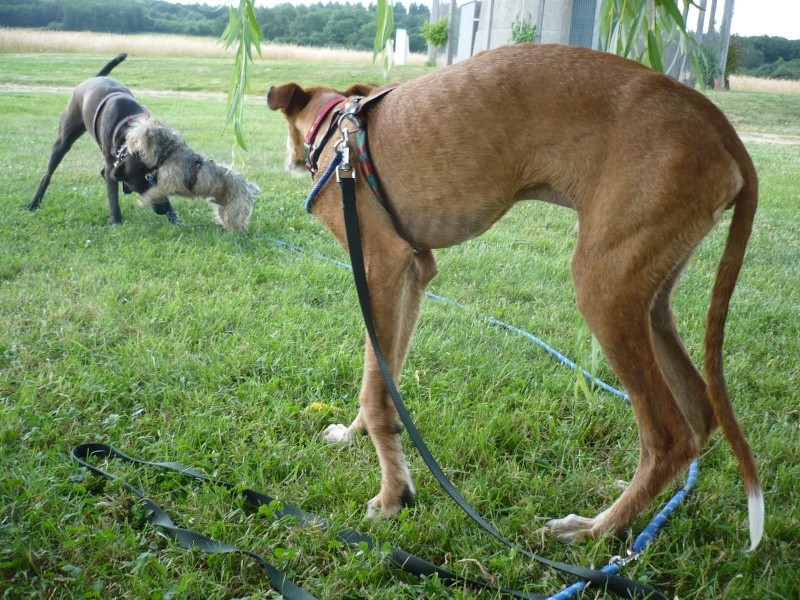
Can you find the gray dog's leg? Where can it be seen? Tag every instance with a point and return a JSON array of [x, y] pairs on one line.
[[112, 185], [70, 129]]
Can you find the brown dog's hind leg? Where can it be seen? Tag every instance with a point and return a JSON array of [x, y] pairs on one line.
[[684, 380], [617, 286]]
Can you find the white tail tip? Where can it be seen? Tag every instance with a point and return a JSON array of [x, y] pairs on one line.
[[755, 509]]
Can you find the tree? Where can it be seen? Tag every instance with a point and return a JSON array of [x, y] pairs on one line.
[[436, 34], [242, 33]]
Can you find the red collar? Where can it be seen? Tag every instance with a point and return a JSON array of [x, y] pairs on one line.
[[311, 148]]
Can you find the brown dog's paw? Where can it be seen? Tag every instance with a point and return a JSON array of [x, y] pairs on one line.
[[379, 508], [571, 528], [337, 433]]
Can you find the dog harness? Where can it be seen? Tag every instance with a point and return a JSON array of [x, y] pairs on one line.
[[122, 122], [313, 149], [352, 111]]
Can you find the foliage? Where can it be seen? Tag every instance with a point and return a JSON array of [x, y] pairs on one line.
[[332, 25], [767, 56], [114, 16], [523, 30], [436, 34], [710, 63], [780, 69], [642, 29], [242, 34], [383, 36]]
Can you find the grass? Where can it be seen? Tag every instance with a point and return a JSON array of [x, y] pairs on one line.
[[211, 349]]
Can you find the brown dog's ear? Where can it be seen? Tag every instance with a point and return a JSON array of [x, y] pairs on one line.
[[290, 98], [360, 89]]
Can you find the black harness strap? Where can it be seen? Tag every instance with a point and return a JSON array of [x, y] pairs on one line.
[[100, 106]]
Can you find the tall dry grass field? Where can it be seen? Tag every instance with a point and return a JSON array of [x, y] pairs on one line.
[[744, 83], [18, 41]]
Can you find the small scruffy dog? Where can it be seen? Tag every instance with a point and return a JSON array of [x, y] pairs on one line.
[[178, 170]]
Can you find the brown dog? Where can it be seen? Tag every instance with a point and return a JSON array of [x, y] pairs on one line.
[[648, 164]]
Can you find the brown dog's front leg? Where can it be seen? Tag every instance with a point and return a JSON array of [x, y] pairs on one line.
[[397, 291], [397, 278]]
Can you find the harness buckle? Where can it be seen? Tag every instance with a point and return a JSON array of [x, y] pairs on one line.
[[120, 154], [344, 170]]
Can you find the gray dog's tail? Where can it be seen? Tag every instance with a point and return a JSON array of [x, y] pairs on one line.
[[110, 66]]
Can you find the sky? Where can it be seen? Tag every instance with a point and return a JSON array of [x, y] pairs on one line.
[[750, 17]]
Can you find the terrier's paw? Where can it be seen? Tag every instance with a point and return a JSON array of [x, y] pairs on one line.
[[378, 507], [571, 528], [338, 434]]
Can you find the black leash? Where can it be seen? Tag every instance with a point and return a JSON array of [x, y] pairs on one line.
[[622, 586], [186, 538], [191, 539]]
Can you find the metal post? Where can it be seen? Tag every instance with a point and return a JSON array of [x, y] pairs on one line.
[[489, 22], [452, 37]]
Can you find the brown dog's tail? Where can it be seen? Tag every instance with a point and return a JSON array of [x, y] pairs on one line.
[[727, 272], [110, 66]]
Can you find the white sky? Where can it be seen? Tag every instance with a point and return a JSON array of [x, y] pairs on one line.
[[750, 17]]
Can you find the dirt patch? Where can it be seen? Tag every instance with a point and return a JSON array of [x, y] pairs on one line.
[[748, 136], [144, 93], [770, 138]]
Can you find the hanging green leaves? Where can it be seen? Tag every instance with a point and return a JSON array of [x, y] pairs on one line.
[[242, 33], [643, 29], [383, 36]]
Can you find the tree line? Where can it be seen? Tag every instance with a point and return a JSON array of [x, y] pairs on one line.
[[325, 25], [767, 56], [332, 25]]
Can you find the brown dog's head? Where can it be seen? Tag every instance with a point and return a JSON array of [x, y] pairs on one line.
[[300, 107]]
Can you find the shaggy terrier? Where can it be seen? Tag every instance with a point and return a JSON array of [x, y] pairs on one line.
[[178, 170]]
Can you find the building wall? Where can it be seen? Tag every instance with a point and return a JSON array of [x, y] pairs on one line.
[[557, 21]]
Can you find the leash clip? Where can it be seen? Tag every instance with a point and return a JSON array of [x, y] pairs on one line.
[[621, 561], [344, 170]]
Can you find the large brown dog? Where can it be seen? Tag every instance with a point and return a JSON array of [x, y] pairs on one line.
[[648, 164]]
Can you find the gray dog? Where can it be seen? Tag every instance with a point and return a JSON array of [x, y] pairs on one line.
[[175, 169], [106, 109]]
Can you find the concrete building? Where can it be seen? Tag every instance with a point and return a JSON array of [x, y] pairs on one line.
[[482, 24]]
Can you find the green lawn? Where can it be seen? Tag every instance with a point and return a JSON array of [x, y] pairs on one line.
[[199, 346]]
